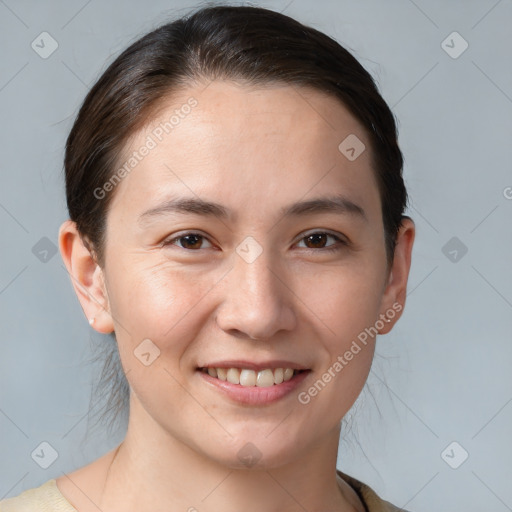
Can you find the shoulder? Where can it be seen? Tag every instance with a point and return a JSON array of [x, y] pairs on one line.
[[368, 496], [45, 498]]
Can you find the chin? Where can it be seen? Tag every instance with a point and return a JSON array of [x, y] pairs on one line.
[[260, 453]]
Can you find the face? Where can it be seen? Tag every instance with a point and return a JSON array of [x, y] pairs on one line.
[[251, 281]]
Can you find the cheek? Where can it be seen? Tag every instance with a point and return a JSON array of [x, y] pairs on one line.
[[336, 389], [347, 303], [160, 303], [346, 299], [157, 314]]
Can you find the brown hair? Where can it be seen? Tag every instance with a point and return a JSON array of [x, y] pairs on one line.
[[244, 43]]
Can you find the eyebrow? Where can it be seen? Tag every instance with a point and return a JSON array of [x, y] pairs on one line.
[[338, 204]]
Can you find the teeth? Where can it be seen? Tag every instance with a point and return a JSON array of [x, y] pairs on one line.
[[248, 378], [233, 375], [263, 378], [222, 373]]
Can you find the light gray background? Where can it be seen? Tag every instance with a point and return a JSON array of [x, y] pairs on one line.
[[442, 375]]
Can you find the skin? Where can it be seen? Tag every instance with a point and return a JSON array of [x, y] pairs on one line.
[[254, 150]]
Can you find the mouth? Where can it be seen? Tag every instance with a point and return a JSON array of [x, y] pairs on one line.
[[257, 386], [248, 377]]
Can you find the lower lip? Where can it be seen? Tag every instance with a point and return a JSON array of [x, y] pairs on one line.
[[254, 395]]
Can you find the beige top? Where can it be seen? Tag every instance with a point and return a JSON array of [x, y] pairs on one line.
[[48, 498]]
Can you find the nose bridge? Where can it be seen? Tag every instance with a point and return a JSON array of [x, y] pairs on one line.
[[256, 302], [257, 278]]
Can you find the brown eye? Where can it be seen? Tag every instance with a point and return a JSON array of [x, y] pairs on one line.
[[190, 241], [319, 240], [316, 240]]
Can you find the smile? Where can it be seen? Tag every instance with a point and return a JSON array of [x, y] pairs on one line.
[[251, 387]]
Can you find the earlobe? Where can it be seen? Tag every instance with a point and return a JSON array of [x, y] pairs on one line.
[[86, 277], [393, 300]]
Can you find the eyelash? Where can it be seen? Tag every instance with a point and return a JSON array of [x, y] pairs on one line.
[[340, 243]]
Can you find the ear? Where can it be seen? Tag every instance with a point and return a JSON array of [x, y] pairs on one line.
[[86, 277], [395, 290]]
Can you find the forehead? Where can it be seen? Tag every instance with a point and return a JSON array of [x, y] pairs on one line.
[[222, 107], [251, 143]]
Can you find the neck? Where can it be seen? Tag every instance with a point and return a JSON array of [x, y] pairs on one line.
[[151, 470]]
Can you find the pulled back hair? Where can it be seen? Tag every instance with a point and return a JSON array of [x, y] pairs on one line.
[[252, 45]]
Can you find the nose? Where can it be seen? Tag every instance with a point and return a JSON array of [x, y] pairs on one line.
[[257, 301]]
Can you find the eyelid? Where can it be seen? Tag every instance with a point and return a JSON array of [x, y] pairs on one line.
[[323, 231]]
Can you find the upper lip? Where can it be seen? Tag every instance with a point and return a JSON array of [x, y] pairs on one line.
[[256, 366]]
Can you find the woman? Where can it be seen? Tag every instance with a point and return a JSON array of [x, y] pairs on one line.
[[236, 206]]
